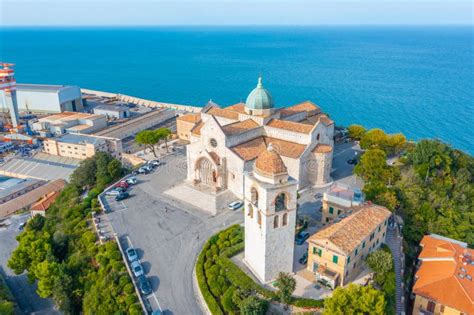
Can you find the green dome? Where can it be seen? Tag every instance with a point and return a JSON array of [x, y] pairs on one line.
[[259, 98]]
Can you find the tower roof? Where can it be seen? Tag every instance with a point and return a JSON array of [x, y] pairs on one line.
[[269, 162], [259, 98]]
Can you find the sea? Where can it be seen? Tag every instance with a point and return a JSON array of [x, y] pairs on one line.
[[418, 80]]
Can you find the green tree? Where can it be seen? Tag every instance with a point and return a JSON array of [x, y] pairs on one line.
[[286, 285], [380, 261], [163, 134], [115, 169], [149, 138], [373, 167], [356, 132], [252, 305], [355, 299], [374, 138], [396, 143], [84, 175]]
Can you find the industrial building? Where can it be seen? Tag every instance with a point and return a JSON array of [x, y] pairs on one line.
[[12, 188], [59, 124], [80, 146], [133, 126], [40, 98], [112, 111]]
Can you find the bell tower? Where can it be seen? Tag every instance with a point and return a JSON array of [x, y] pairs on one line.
[[270, 217]]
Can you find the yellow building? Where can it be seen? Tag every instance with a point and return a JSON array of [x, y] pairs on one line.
[[336, 253], [185, 123], [339, 201], [82, 146], [443, 280]]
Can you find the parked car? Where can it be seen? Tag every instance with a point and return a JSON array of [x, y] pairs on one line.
[[131, 180], [235, 205], [144, 285], [122, 196], [352, 161], [143, 170], [303, 260], [21, 226], [122, 184], [132, 254], [155, 163], [301, 237], [137, 268], [114, 192], [318, 196]]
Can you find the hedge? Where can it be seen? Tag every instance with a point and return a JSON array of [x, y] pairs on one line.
[[235, 275]]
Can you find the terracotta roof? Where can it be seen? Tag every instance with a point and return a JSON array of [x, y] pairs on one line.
[[438, 278], [239, 107], [269, 162], [322, 148], [249, 150], [222, 112], [290, 125], [306, 106], [44, 203], [349, 233], [240, 126], [192, 118], [196, 130]]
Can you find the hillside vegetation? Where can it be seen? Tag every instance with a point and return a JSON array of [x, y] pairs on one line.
[[61, 252]]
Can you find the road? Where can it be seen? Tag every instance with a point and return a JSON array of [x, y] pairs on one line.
[[167, 233], [25, 294]]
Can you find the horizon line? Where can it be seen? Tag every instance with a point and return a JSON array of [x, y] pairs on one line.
[[227, 25]]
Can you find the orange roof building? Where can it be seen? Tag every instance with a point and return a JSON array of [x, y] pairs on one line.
[[238, 134], [444, 280], [41, 206]]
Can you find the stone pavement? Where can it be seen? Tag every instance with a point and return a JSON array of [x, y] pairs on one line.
[[394, 242]]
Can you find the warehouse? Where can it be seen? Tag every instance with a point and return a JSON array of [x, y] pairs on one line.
[[112, 111], [40, 98]]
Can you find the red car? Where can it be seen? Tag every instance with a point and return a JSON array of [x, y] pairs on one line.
[[122, 184]]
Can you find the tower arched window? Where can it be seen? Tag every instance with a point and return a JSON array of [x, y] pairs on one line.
[[280, 202], [285, 219], [254, 196], [318, 136], [275, 222], [259, 218], [250, 211]]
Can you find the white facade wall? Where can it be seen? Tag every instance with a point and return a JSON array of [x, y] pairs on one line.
[[269, 249], [288, 135], [49, 101]]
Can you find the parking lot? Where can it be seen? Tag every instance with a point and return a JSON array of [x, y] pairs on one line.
[[167, 234]]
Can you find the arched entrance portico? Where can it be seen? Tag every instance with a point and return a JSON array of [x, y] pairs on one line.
[[206, 173]]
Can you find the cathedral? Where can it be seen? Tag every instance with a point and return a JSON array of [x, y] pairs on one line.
[[226, 141]]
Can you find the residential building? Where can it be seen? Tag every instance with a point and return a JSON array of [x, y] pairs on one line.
[[225, 142], [82, 146], [443, 280], [112, 111], [73, 122], [41, 98], [41, 206], [339, 201], [185, 123], [336, 253], [270, 216]]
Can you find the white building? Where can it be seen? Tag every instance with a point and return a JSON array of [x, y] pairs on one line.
[[270, 217], [59, 124], [112, 111], [40, 98], [226, 141]]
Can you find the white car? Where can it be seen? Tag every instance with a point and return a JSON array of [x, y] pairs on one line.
[[131, 180], [155, 163], [113, 192], [235, 205]]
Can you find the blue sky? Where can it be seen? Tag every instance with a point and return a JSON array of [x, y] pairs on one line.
[[233, 12]]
